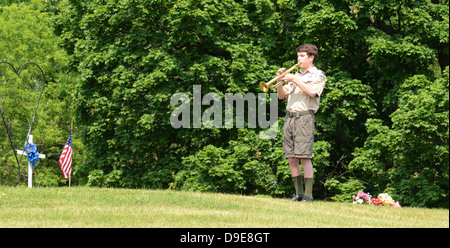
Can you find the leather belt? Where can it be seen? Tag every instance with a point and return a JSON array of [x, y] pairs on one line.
[[297, 114]]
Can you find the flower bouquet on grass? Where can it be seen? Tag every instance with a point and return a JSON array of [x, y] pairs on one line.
[[382, 199], [385, 199], [361, 198]]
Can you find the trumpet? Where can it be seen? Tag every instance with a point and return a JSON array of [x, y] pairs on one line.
[[266, 86]]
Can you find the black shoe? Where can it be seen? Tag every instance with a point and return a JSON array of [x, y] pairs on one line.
[[296, 198], [307, 199]]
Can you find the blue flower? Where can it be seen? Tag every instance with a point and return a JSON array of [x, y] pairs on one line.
[[33, 154], [31, 148]]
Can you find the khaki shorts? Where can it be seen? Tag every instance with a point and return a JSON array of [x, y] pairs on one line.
[[298, 136]]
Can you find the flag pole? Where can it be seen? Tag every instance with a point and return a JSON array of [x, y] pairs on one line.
[[71, 129]]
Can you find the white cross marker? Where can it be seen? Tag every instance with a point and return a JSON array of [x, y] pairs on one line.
[[30, 167]]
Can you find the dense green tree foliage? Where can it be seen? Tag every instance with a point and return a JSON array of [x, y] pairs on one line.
[[411, 156], [383, 122]]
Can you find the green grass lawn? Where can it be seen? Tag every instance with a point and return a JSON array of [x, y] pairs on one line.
[[106, 207]]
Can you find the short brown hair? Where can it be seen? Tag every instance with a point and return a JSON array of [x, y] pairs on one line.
[[310, 49]]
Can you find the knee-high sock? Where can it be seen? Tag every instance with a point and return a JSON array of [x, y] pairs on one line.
[[298, 183], [308, 187]]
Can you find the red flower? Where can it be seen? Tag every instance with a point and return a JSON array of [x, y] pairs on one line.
[[376, 201]]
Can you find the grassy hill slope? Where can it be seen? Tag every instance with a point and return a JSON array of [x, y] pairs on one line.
[[106, 207]]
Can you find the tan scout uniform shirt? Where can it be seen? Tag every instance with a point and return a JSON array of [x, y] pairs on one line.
[[297, 100]]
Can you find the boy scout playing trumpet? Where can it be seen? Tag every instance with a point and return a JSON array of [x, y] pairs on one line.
[[302, 93]]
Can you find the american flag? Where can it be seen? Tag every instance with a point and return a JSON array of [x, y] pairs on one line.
[[65, 161]]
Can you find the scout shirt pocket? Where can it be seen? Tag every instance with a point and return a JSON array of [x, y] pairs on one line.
[[289, 87]]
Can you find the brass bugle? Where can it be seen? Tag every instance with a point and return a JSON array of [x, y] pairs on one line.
[[266, 86]]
